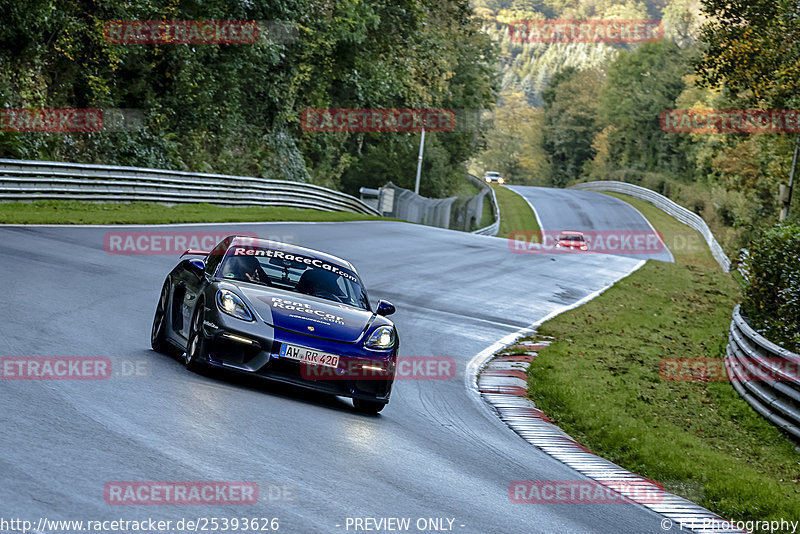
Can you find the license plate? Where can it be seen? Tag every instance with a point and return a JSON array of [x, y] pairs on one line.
[[306, 355]]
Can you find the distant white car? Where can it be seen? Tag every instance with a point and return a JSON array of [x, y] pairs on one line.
[[493, 177]]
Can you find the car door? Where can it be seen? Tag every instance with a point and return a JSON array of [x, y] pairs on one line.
[[191, 279]]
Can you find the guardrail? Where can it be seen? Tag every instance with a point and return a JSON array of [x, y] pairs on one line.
[[677, 211], [33, 180], [778, 400], [493, 228], [404, 204]]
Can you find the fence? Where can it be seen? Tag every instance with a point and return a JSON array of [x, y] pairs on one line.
[[457, 213], [493, 228], [677, 211], [407, 205], [33, 180], [778, 400]]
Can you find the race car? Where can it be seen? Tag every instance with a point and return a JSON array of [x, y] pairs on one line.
[[572, 241], [282, 312]]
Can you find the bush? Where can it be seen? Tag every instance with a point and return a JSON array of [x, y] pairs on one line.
[[772, 297]]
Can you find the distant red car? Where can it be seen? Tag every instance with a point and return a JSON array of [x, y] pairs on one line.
[[572, 241]]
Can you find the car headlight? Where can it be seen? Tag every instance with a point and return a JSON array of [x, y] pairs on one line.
[[230, 303], [382, 338], [500, 181]]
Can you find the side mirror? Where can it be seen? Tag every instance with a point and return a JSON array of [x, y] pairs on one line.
[[385, 308], [196, 265]]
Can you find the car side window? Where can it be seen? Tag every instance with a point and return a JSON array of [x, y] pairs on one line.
[[216, 255]]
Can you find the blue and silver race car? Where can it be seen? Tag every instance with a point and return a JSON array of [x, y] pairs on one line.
[[280, 311]]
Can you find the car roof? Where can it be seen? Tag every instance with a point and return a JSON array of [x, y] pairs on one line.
[[571, 233], [292, 249]]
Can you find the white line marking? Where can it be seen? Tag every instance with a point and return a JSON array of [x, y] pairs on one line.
[[671, 257], [535, 214]]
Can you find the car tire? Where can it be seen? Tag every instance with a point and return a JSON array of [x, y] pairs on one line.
[[196, 344], [369, 407], [158, 332]]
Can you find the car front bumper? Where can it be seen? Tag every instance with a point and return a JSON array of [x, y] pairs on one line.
[[254, 348]]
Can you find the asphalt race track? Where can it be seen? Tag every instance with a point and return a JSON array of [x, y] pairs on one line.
[[567, 209], [432, 453]]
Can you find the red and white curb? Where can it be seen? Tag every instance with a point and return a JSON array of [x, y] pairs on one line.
[[502, 383]]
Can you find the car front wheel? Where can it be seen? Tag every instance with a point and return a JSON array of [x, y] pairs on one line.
[[158, 334], [196, 347]]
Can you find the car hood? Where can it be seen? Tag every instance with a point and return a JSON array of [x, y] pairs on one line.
[[308, 315]]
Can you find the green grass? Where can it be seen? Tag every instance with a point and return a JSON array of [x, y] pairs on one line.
[[515, 214], [76, 212], [486, 212], [599, 380], [464, 188]]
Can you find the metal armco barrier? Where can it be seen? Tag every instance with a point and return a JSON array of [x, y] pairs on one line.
[[677, 211], [34, 180], [455, 213], [493, 228], [777, 400], [407, 205]]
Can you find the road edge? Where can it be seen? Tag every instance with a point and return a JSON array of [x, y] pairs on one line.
[[512, 406]]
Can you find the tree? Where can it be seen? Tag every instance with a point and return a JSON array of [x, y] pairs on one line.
[[235, 108], [640, 85], [570, 123], [514, 142], [682, 21], [753, 50]]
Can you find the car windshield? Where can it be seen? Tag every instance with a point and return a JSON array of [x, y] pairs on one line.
[[294, 272], [571, 238]]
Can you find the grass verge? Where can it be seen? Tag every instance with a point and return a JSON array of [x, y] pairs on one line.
[[487, 217], [515, 213], [599, 380], [77, 212]]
